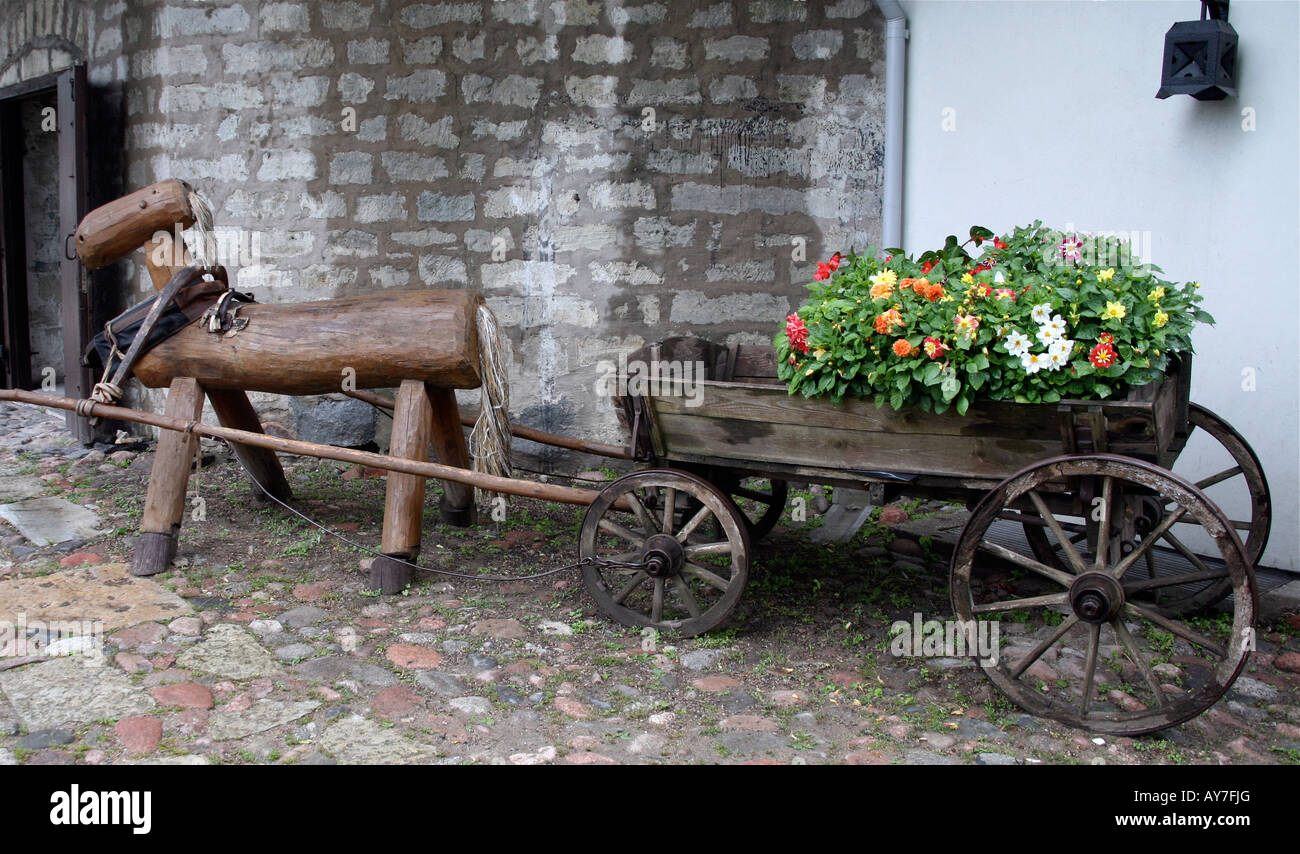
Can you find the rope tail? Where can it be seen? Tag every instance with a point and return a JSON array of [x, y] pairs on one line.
[[489, 443]]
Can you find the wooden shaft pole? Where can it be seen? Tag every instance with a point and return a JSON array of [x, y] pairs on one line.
[[492, 483], [468, 419]]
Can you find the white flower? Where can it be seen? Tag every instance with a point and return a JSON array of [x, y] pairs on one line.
[[998, 278], [1056, 359], [1048, 334], [1041, 313], [1033, 362], [1063, 346], [1018, 343]]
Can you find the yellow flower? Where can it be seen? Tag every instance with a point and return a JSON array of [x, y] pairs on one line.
[[1114, 310], [1196, 285], [884, 277], [1157, 294], [967, 278], [1106, 275], [1160, 319]]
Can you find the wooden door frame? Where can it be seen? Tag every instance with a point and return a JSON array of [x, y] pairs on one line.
[[71, 95]]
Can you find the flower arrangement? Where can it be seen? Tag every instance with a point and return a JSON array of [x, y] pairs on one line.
[[1039, 316]]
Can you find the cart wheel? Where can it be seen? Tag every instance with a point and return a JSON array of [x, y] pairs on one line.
[[1245, 477], [685, 579], [1237, 479], [760, 500], [1098, 654]]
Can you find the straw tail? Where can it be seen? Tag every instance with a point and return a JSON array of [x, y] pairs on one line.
[[489, 443]]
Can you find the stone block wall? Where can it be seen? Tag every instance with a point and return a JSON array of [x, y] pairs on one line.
[[608, 173]]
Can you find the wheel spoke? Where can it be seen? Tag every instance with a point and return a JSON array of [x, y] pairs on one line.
[[721, 547], [1073, 556], [706, 575], [1037, 652], [1103, 525], [643, 517], [670, 509], [1174, 580], [1218, 478], [635, 582], [1016, 604], [1148, 541], [657, 607], [688, 598], [1178, 629], [689, 528], [1186, 552], [1126, 638], [753, 495], [612, 527], [1062, 578], [1090, 666]]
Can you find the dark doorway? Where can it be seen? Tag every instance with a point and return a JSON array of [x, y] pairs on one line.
[[43, 307]]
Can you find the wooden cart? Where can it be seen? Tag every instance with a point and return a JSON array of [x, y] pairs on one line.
[[1090, 484]]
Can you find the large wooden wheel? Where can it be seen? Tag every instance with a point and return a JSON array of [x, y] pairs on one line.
[[661, 567], [1231, 476], [1100, 652]]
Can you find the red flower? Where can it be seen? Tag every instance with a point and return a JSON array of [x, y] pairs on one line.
[[823, 272], [1105, 338], [834, 263], [797, 333], [1102, 356], [933, 347], [927, 266], [997, 242]]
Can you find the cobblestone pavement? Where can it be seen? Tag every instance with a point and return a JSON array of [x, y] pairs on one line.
[[262, 645]]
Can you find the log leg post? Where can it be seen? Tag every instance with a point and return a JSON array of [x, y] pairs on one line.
[[164, 503], [457, 505], [404, 500], [235, 411]]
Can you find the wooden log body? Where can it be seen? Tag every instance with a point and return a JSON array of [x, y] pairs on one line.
[[111, 231], [306, 348]]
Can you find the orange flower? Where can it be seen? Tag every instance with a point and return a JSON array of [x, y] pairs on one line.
[[933, 292], [883, 290], [886, 321], [903, 348]]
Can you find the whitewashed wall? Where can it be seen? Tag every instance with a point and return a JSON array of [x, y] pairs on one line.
[[1051, 114]]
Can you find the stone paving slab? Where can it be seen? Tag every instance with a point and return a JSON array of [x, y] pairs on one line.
[[264, 715], [45, 521], [358, 741], [232, 652], [74, 689], [108, 593], [20, 487]]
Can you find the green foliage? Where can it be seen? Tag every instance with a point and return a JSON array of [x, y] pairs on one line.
[[1041, 315]]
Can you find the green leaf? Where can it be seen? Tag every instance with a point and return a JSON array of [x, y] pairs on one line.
[[963, 403], [950, 386]]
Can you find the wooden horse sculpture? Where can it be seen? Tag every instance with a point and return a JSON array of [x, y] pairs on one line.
[[425, 343]]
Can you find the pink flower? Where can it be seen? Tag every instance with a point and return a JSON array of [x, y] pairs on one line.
[[797, 333], [1071, 248]]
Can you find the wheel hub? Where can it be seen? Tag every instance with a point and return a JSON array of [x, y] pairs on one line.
[[663, 556], [1096, 597]]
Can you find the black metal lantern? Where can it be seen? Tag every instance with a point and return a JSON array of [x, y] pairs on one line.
[[1201, 56]]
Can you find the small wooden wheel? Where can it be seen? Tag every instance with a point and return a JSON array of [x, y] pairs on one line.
[[1099, 653], [761, 501], [683, 577]]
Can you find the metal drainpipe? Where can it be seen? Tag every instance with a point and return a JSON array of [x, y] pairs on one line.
[[895, 89]]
